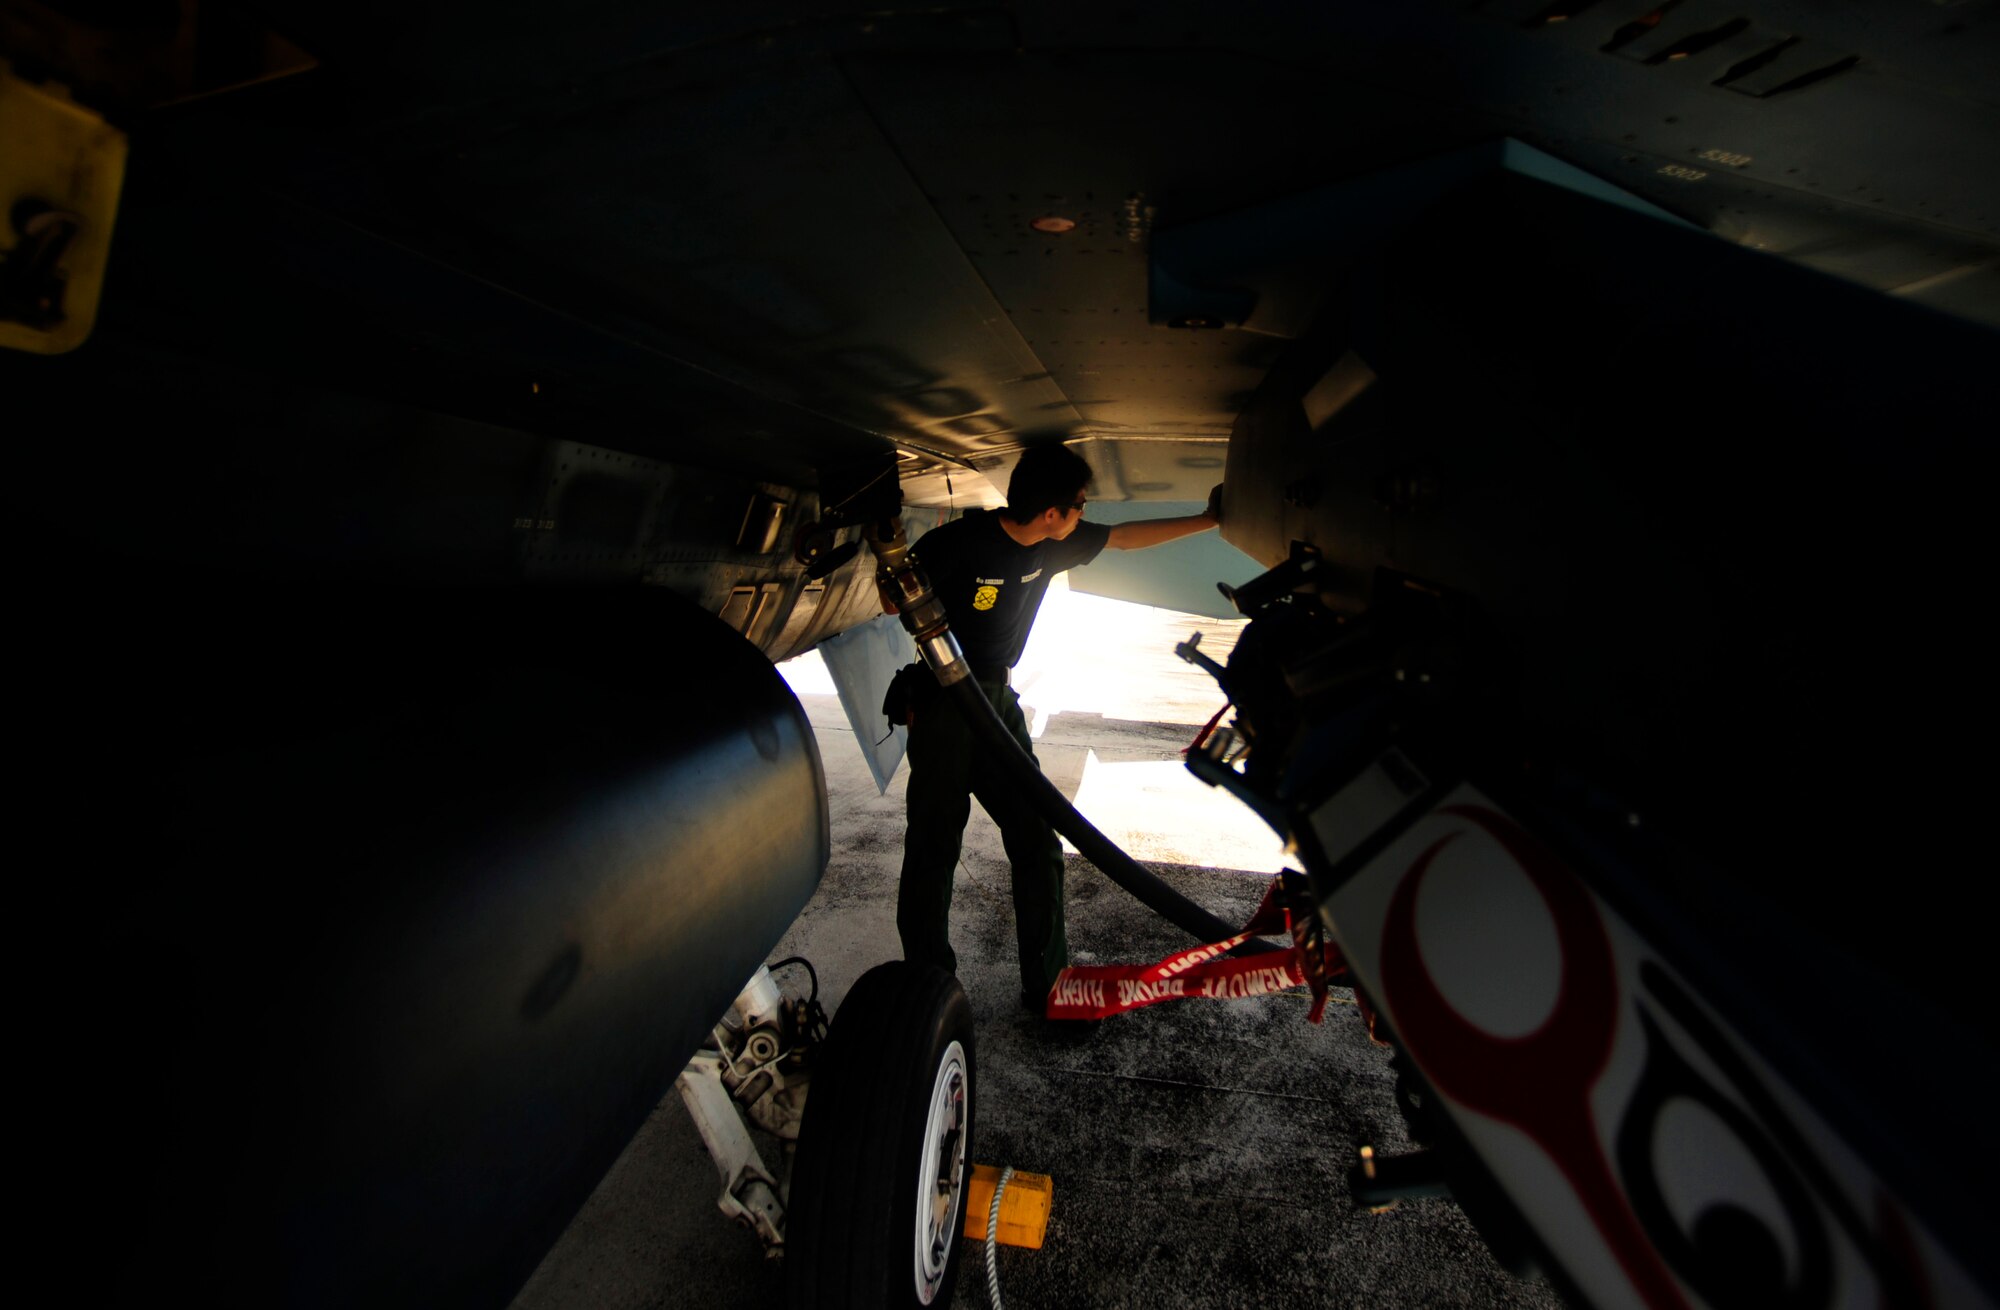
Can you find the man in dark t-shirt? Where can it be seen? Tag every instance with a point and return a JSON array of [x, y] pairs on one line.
[[991, 571]]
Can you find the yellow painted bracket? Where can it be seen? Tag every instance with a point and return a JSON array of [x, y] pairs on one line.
[[57, 157], [1024, 1209]]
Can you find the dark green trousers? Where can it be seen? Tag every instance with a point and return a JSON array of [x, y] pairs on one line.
[[947, 768]]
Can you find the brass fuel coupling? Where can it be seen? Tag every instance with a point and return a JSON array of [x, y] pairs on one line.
[[903, 582]]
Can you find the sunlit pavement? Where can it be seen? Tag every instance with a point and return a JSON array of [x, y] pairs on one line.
[[1198, 1149]]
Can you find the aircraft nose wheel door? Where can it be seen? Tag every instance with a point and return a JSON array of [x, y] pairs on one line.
[[884, 1156]]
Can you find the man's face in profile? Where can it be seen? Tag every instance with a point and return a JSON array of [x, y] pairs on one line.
[[1067, 517]]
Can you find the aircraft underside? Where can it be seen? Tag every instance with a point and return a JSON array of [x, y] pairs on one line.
[[431, 426]]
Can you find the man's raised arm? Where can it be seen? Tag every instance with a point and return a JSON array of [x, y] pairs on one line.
[[1155, 532]]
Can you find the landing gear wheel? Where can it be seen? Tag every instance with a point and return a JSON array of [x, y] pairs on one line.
[[878, 1186]]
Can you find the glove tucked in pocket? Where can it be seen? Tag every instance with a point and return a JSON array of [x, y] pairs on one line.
[[896, 705]]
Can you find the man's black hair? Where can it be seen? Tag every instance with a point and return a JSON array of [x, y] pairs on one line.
[[1048, 477]]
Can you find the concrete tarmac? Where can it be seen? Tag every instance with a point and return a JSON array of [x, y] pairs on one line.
[[1198, 1148]]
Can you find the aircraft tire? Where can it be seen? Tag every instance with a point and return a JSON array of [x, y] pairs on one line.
[[890, 1110]]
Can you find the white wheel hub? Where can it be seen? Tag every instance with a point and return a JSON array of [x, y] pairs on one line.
[[941, 1173]]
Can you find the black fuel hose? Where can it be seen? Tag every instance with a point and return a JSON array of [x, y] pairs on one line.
[[1093, 845]]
